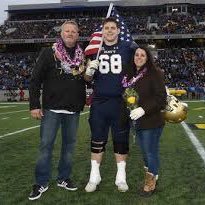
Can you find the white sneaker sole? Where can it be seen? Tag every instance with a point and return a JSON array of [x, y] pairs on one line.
[[122, 190], [37, 197], [70, 189], [122, 187], [91, 187]]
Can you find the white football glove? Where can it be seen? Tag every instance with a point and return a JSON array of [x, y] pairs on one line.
[[137, 113], [92, 67]]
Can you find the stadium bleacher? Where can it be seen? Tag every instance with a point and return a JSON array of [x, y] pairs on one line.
[[169, 30], [175, 33]]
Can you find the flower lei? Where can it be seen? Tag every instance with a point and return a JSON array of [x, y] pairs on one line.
[[69, 65], [134, 79]]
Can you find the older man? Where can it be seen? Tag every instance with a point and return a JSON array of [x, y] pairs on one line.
[[58, 71]]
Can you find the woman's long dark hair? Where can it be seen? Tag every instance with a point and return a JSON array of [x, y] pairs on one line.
[[150, 65]]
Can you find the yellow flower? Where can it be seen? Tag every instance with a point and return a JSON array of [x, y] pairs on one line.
[[131, 100]]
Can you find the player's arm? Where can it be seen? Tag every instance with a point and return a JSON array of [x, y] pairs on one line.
[[91, 67]]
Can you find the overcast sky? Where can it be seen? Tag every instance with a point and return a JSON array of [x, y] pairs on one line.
[[4, 5]]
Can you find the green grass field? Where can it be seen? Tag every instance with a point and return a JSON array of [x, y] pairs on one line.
[[181, 178]]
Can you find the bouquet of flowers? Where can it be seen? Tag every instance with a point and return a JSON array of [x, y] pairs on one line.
[[131, 98], [130, 95]]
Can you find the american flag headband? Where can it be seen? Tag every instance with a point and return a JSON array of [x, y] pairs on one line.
[[134, 79]]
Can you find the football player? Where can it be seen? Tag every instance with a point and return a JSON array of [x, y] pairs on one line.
[[107, 104]]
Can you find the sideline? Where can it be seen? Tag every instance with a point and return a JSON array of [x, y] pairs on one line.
[[190, 101], [7, 106], [29, 128], [19, 131], [3, 113], [199, 147], [14, 103]]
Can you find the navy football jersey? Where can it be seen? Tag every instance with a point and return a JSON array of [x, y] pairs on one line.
[[113, 60]]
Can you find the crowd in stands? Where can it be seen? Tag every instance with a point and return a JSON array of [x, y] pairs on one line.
[[26, 29], [15, 70], [45, 27], [176, 24], [183, 68], [200, 16]]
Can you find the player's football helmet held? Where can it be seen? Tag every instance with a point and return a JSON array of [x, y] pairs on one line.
[[175, 111]]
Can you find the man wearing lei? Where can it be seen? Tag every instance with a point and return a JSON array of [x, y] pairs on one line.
[[58, 72]]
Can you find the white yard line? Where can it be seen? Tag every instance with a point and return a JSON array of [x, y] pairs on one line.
[[14, 103], [19, 131], [26, 103], [5, 118], [199, 147], [26, 129], [25, 118], [189, 101], [83, 113], [7, 106], [3, 113]]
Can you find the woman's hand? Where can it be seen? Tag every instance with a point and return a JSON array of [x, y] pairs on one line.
[[137, 113]]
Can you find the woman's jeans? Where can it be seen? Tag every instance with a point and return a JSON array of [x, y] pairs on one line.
[[149, 144], [50, 124]]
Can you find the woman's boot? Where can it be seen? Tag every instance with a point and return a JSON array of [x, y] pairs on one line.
[[149, 185]]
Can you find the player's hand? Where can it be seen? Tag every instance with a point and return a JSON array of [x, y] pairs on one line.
[[92, 67], [37, 114], [137, 113]]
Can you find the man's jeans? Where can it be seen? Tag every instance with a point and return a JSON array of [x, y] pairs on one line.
[[50, 124], [149, 144]]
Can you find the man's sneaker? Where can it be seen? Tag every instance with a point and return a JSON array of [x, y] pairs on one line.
[[36, 192], [122, 186], [67, 184]]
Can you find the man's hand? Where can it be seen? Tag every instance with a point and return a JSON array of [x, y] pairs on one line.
[[37, 114], [92, 67], [137, 113]]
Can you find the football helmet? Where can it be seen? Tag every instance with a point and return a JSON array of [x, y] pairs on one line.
[[175, 110]]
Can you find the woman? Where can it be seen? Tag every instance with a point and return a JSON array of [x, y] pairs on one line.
[[148, 82]]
